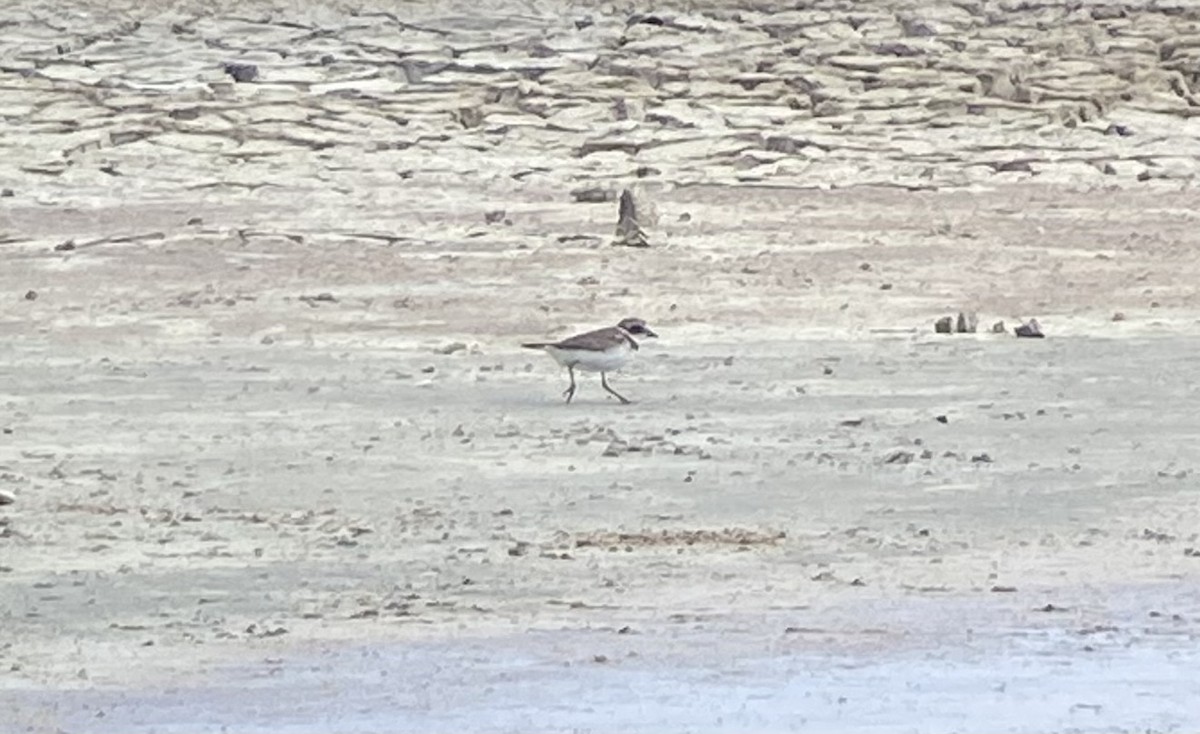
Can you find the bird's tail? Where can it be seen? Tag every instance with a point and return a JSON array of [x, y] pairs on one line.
[[535, 345]]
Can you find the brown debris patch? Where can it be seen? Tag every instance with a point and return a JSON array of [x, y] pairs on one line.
[[677, 538]]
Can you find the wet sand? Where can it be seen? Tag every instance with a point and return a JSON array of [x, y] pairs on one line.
[[990, 675]]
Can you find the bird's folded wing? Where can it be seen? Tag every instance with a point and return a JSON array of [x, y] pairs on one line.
[[598, 340]]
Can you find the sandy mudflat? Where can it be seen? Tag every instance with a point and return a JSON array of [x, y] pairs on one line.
[[280, 465]]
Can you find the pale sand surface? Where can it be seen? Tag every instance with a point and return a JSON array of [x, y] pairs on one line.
[[243, 503]]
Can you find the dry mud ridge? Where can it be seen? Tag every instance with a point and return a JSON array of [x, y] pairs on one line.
[[273, 459]]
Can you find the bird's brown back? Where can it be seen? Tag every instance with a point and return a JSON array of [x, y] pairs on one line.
[[598, 340]]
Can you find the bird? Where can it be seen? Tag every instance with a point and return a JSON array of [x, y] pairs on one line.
[[603, 350]]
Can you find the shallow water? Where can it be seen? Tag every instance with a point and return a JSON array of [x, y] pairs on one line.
[[1046, 680]]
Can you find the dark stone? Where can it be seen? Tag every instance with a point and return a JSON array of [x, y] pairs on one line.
[[966, 323], [1013, 166], [629, 230], [895, 48], [900, 457], [242, 72], [645, 19], [593, 195], [1051, 608], [914, 28], [1107, 12], [1030, 330], [783, 144]]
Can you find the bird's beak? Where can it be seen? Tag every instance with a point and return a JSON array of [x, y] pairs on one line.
[[651, 333]]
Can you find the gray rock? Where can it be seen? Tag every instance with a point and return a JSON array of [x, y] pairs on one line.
[[242, 72], [468, 117], [629, 231], [900, 457], [967, 322], [1030, 330], [895, 48], [1012, 166], [917, 28], [592, 195]]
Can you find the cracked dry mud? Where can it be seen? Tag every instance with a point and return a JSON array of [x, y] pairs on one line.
[[262, 394]]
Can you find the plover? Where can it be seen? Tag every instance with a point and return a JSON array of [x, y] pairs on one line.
[[602, 350]]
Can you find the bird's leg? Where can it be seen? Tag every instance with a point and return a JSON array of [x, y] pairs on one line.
[[570, 391], [619, 396]]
